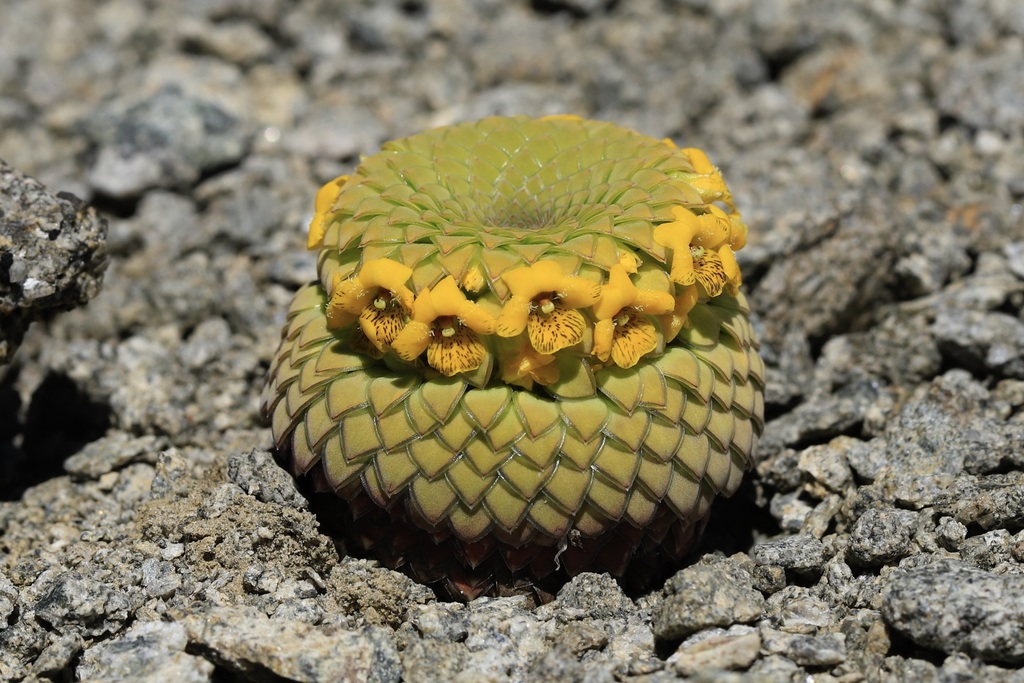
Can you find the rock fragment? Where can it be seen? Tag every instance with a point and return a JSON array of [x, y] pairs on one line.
[[52, 254]]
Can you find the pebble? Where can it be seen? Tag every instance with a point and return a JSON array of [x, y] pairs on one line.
[[78, 603], [717, 591], [801, 553], [880, 537], [149, 651], [166, 140], [951, 607], [52, 254], [257, 646], [827, 649], [733, 649]]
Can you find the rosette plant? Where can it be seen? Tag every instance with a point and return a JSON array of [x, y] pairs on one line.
[[526, 354]]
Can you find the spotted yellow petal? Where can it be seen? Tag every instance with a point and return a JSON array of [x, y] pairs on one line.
[[551, 332], [632, 340], [351, 295], [460, 352], [382, 325], [338, 318], [709, 271]]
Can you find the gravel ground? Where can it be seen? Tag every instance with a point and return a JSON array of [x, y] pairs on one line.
[[876, 149]]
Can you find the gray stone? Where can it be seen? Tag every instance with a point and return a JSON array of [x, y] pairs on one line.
[[826, 416], [731, 650], [8, 600], [795, 609], [950, 607], [990, 551], [52, 254], [943, 428], [984, 92], [443, 620], [714, 592], [258, 475], [433, 660], [579, 638], [826, 649], [167, 139], [148, 651], [113, 452], [325, 134], [559, 665], [56, 659], [998, 501], [880, 537], [801, 553], [1014, 253], [983, 340], [951, 533], [580, 8], [159, 578], [596, 596], [867, 458], [83, 604], [827, 464], [835, 278], [252, 645]]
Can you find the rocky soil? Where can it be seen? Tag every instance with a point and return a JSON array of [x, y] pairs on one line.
[[876, 149]]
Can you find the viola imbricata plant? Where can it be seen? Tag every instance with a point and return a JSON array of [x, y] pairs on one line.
[[527, 352]]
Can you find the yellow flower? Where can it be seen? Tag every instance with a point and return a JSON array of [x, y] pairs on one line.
[[624, 332], [708, 180], [544, 302], [737, 231], [677, 236], [445, 324], [376, 296], [708, 271], [325, 198], [733, 276], [525, 366], [677, 319], [691, 237]]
